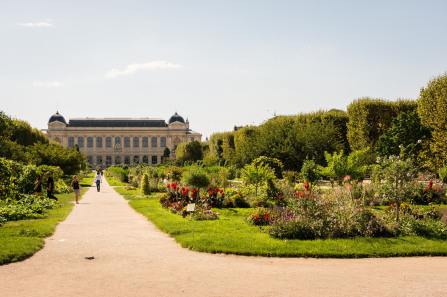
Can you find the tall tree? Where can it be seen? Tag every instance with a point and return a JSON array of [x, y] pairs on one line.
[[432, 108]]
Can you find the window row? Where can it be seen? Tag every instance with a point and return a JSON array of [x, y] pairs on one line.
[[108, 141], [128, 160]]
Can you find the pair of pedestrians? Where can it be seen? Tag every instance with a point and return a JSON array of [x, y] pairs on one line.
[[77, 187]]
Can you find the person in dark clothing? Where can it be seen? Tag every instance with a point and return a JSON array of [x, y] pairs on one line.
[[76, 187], [38, 187], [50, 186]]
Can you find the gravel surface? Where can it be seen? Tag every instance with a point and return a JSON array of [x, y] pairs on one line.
[[105, 248]]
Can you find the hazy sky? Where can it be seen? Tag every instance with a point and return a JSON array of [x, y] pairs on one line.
[[218, 63]]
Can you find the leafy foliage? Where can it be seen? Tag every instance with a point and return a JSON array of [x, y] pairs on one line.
[[370, 118], [432, 108], [406, 135]]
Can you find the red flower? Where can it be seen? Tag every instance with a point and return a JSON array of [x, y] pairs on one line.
[[174, 185], [439, 190], [169, 186]]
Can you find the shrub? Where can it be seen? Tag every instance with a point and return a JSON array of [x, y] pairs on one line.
[[294, 228], [239, 201], [119, 173], [196, 177], [310, 172], [262, 216], [145, 186]]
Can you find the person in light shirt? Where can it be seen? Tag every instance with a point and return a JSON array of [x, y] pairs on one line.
[[98, 180]]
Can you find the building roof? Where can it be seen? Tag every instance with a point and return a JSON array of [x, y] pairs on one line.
[[176, 118], [57, 118], [117, 122]]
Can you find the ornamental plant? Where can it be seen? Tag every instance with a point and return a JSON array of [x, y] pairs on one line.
[[215, 197], [394, 174], [262, 216], [433, 195]]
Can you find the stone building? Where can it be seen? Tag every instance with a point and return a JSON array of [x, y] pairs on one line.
[[114, 141]]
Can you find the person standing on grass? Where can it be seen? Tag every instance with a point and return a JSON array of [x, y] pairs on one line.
[[38, 187], [98, 180], [76, 187], [50, 186]]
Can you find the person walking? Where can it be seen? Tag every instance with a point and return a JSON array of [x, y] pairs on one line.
[[38, 187], [98, 180], [76, 187], [50, 186]]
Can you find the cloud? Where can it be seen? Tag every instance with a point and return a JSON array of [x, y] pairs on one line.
[[50, 84], [36, 25], [132, 68]]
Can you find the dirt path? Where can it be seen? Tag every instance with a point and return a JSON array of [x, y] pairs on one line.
[[133, 258]]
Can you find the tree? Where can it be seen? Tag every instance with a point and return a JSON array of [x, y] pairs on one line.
[[191, 151], [406, 135], [256, 175], [432, 109], [166, 154]]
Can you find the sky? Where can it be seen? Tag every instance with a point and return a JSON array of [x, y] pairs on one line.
[[217, 63]]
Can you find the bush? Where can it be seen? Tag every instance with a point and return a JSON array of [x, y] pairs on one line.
[[196, 177], [295, 228], [239, 201], [119, 173], [261, 216], [310, 171]]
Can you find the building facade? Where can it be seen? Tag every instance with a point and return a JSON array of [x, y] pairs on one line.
[[116, 141]]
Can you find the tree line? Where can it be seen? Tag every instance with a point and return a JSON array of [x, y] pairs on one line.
[[378, 126], [22, 143]]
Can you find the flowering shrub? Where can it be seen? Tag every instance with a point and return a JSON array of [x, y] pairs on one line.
[[177, 198], [432, 195], [215, 197], [333, 215], [261, 216]]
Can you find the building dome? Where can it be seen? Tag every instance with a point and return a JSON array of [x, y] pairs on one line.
[[57, 117], [176, 118]]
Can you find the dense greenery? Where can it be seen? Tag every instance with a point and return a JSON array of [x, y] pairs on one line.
[[21, 143], [432, 108], [370, 118]]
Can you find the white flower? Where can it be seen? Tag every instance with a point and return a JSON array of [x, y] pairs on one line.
[[408, 174], [400, 146], [419, 141]]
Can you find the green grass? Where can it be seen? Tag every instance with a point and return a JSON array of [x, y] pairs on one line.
[[233, 235], [21, 239]]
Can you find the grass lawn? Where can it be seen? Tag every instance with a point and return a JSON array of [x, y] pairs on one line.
[[233, 235], [21, 239]]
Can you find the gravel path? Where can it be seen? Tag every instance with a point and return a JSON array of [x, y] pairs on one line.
[[133, 258]]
